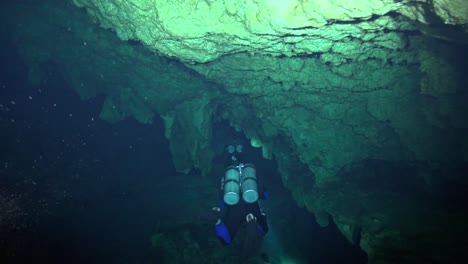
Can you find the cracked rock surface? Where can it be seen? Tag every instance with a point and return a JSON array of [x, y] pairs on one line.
[[202, 31]]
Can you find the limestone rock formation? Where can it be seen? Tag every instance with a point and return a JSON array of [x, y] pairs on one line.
[[203, 30], [327, 88]]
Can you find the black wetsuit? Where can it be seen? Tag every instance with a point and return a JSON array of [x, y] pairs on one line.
[[234, 216]]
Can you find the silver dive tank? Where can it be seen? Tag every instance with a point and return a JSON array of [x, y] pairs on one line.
[[231, 185], [249, 184]]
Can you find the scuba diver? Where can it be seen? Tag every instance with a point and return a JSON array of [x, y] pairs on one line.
[[239, 205]]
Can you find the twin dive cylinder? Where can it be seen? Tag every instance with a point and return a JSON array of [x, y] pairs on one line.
[[240, 179]]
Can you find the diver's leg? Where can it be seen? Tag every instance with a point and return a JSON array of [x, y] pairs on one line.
[[253, 239], [263, 222]]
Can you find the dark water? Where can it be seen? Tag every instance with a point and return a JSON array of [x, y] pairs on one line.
[[76, 189], [75, 172]]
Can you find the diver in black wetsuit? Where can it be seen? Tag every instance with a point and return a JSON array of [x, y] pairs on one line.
[[235, 211]]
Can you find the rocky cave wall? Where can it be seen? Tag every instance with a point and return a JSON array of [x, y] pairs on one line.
[[96, 63], [352, 73], [320, 86]]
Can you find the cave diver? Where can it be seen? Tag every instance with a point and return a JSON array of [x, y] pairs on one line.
[[239, 207]]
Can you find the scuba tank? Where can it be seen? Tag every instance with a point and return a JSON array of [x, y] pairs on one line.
[[249, 183], [231, 185], [239, 180]]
